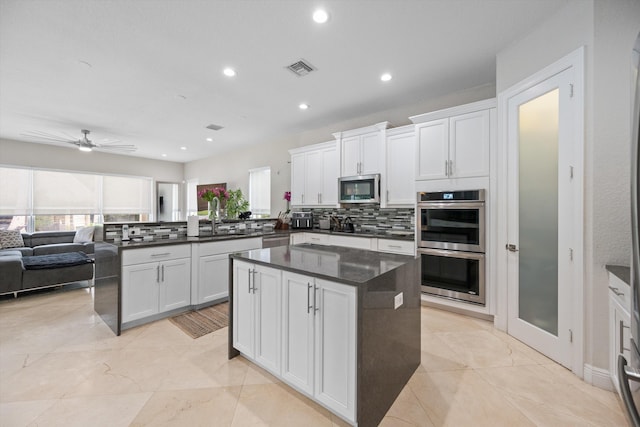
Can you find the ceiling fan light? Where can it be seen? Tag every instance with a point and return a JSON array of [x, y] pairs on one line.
[[85, 149]]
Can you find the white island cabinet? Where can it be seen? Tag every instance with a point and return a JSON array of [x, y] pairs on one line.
[[319, 340], [256, 313], [155, 280]]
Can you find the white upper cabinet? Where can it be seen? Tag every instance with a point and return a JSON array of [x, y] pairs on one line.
[[361, 150], [398, 183], [314, 175], [455, 143]]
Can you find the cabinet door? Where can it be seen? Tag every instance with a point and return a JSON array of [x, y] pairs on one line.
[[350, 158], [243, 308], [140, 291], [297, 179], [268, 308], [469, 144], [335, 344], [329, 190], [433, 149], [313, 178], [371, 153], [297, 331], [213, 281], [400, 176], [175, 284]]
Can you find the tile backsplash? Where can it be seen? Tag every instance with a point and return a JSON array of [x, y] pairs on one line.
[[367, 218]]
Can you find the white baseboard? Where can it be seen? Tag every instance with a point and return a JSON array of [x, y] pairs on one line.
[[598, 377]]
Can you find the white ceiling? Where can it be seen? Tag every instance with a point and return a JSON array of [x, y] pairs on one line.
[[149, 72]]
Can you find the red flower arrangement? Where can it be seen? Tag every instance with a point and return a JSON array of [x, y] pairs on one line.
[[210, 194]]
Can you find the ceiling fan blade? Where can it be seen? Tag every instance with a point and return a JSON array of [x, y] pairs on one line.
[[127, 148], [47, 137]]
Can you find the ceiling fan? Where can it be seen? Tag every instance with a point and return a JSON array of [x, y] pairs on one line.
[[84, 143]]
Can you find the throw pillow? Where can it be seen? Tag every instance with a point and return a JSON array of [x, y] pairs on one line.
[[83, 235], [11, 239]]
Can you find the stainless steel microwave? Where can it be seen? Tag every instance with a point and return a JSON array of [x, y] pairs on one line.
[[359, 189]]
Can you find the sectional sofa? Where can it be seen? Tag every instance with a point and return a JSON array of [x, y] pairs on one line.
[[46, 258]]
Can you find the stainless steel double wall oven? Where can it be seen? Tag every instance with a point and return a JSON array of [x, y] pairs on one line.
[[451, 244]]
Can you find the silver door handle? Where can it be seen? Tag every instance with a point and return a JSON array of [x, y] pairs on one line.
[[308, 297], [511, 247]]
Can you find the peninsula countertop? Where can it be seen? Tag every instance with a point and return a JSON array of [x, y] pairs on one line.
[[346, 265]]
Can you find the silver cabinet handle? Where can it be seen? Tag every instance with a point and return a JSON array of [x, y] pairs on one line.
[[158, 273], [621, 331], [615, 291], [395, 246], [163, 272], [249, 280], [446, 168], [315, 304], [511, 247], [303, 198], [308, 297], [253, 274], [450, 168], [162, 254]]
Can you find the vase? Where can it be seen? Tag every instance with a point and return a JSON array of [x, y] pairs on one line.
[[214, 209]]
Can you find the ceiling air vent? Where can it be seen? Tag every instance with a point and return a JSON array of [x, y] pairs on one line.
[[301, 68], [214, 127]]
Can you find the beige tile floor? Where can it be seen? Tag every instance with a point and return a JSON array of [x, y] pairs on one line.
[[60, 365]]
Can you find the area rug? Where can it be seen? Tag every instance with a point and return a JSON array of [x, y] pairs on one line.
[[202, 322]]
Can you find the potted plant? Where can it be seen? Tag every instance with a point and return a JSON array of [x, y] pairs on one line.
[[236, 204]]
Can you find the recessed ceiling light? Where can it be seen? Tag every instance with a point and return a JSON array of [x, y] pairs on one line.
[[164, 155], [229, 72], [386, 77], [209, 139], [320, 16], [183, 148], [303, 106]]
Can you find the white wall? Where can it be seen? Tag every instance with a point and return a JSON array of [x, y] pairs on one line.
[[18, 153], [233, 168], [608, 29]]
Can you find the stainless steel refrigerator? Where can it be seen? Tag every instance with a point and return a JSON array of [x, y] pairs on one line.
[[629, 374]]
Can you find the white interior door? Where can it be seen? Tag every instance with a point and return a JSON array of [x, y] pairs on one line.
[[541, 212]]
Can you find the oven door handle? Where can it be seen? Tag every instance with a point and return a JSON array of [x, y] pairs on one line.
[[450, 205], [455, 254]]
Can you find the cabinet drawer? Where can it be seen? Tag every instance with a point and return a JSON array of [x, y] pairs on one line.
[[350, 242], [620, 291], [317, 239], [156, 253], [229, 246], [396, 246]]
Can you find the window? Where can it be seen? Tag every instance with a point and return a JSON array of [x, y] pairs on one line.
[[38, 200], [260, 192]]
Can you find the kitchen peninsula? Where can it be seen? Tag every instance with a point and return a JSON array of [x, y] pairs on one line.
[[340, 325]]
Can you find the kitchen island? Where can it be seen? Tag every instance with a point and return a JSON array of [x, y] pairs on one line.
[[340, 325]]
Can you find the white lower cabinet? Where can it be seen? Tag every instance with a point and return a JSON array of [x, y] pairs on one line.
[[212, 263], [319, 341], [619, 325], [257, 311], [155, 280]]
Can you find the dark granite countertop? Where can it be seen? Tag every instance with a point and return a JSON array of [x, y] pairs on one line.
[[621, 272], [344, 265], [220, 237]]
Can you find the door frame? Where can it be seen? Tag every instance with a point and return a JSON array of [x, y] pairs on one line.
[[573, 60]]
